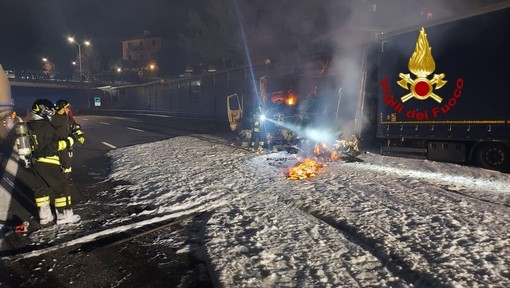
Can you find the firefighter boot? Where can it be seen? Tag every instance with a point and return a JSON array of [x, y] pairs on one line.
[[66, 216], [45, 215]]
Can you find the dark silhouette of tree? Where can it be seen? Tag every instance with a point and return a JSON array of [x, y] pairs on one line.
[[210, 32], [90, 62], [171, 60]]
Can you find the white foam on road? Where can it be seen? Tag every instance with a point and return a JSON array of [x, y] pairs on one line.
[[5, 195]]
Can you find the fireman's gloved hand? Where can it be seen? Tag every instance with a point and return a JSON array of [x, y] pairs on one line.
[[75, 127], [80, 137], [66, 143]]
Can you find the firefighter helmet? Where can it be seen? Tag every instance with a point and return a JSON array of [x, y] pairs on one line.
[[62, 104], [43, 107]]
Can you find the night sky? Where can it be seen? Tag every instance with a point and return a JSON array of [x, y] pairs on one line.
[[32, 29]]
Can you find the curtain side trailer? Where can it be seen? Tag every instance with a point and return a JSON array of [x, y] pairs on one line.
[[440, 90]]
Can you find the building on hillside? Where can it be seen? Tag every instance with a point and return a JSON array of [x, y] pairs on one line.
[[143, 52]]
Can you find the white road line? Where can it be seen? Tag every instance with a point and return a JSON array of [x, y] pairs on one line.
[[109, 145], [131, 128], [104, 123], [155, 115], [10, 183], [126, 119]]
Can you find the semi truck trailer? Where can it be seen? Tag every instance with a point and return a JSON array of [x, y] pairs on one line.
[[440, 90]]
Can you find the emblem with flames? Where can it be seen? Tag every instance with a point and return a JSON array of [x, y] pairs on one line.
[[421, 64]]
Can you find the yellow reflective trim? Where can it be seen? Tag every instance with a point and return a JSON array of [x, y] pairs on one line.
[[41, 201], [69, 200], [60, 202], [62, 144], [256, 130], [50, 160]]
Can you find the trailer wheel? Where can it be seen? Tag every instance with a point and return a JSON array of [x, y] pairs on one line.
[[494, 156]]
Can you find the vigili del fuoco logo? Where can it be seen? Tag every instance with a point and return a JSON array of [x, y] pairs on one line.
[[421, 64]]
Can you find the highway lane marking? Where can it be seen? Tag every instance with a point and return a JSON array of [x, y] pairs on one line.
[[125, 118], [131, 128], [109, 145], [155, 115], [104, 123]]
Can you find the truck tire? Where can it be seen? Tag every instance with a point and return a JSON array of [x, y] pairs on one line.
[[494, 156]]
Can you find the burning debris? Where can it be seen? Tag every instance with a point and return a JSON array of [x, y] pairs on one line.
[[324, 153], [303, 170], [345, 150], [348, 147], [315, 152]]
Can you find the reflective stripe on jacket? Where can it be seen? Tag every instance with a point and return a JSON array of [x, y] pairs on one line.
[[49, 159]]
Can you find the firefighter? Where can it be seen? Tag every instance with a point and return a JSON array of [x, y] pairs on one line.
[[66, 125], [257, 138], [49, 181]]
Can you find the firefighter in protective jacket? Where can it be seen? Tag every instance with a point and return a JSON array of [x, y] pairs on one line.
[[66, 125], [50, 183], [257, 137]]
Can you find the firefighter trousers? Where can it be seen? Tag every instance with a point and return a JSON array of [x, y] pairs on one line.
[[50, 183], [257, 139]]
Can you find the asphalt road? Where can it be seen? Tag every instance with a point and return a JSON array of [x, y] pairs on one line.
[[99, 265]]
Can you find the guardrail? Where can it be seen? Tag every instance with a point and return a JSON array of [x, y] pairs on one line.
[[53, 84]]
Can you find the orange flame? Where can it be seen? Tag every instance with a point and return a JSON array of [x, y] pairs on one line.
[[334, 155], [304, 170], [318, 150], [323, 152], [291, 99]]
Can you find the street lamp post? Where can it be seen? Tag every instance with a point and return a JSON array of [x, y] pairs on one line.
[[86, 43]]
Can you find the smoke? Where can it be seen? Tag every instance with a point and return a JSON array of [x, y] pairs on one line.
[[361, 23], [289, 29], [292, 31]]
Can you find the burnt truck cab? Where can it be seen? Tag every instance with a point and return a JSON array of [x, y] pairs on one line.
[[441, 90], [290, 103]]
